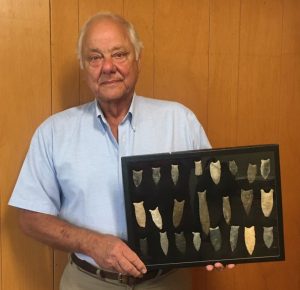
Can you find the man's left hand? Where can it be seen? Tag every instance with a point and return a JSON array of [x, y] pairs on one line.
[[219, 266]]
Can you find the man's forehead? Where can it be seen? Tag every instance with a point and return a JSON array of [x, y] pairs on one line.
[[106, 27], [105, 31]]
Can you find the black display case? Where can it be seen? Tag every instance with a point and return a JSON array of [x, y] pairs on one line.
[[198, 207]]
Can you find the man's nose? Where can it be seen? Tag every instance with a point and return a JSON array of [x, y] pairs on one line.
[[108, 65]]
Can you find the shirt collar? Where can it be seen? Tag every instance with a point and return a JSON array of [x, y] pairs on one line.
[[130, 114]]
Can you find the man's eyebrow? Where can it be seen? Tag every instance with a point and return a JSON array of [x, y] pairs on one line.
[[94, 50], [91, 49], [118, 48]]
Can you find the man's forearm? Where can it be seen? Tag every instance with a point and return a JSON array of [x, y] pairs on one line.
[[55, 232], [108, 251]]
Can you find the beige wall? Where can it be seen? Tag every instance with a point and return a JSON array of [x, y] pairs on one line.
[[235, 63]]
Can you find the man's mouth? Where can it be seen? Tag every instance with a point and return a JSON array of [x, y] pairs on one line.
[[109, 82]]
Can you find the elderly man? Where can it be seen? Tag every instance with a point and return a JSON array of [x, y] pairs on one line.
[[70, 192]]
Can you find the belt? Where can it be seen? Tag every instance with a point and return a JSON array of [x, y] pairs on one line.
[[123, 279]]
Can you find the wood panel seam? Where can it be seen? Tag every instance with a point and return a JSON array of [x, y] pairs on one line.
[[153, 48], [281, 68], [51, 110], [208, 66], [50, 51], [238, 77]]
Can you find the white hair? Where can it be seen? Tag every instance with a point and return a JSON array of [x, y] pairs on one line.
[[132, 34]]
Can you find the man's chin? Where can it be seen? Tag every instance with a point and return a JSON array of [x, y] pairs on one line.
[[112, 97]]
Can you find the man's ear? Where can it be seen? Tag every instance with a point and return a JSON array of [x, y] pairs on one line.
[[139, 61], [83, 73]]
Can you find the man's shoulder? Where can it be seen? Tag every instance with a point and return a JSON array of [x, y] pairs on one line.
[[71, 113], [68, 118], [74, 112], [159, 104]]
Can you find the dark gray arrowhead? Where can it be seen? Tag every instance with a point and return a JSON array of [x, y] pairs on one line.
[[234, 235], [268, 236], [215, 238]]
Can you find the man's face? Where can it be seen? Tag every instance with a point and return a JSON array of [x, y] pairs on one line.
[[110, 65]]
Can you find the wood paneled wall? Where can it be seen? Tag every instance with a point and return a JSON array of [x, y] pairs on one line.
[[235, 63]]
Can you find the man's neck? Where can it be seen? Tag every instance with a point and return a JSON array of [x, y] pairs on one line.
[[114, 113]]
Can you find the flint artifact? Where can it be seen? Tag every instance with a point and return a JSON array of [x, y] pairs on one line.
[[234, 235], [215, 238], [156, 174], [164, 242], [156, 217], [226, 209], [265, 168], [233, 168], [250, 239], [174, 173], [137, 176], [177, 212], [198, 168], [196, 240], [266, 202], [203, 212], [247, 198], [140, 213], [251, 172], [180, 242], [215, 171], [268, 236]]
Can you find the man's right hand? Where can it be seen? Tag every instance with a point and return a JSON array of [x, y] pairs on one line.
[[108, 251], [111, 253]]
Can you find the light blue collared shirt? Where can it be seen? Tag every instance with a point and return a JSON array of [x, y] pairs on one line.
[[73, 166]]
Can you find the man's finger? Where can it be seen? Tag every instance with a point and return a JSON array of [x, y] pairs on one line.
[[230, 266], [209, 267], [128, 268], [135, 261], [219, 266]]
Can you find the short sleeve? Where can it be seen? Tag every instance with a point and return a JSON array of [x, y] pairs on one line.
[[37, 188], [197, 134]]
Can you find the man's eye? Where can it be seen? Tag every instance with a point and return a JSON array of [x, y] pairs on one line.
[[94, 59], [120, 55]]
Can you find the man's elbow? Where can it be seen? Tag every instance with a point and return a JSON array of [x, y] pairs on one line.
[[26, 220]]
